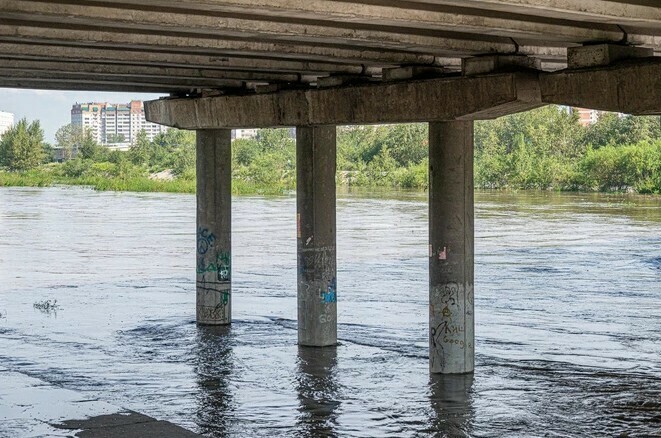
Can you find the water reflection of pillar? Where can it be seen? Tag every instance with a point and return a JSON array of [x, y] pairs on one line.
[[317, 392], [214, 364], [451, 403]]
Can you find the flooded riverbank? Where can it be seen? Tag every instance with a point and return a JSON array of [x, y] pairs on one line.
[[568, 321]]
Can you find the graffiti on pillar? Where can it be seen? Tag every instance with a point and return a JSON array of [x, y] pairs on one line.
[[221, 266], [437, 352], [205, 240], [449, 325], [330, 294], [211, 313], [315, 261], [326, 318], [447, 332], [214, 301], [448, 294]]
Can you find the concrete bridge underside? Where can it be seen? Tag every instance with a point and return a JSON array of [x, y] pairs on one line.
[[316, 64]]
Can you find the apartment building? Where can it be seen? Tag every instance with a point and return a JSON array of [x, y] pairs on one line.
[[112, 123], [587, 117], [6, 121]]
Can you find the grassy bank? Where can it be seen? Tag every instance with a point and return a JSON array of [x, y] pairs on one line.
[[630, 168], [47, 176]]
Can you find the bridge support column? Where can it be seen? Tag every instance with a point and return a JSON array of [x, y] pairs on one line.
[[315, 203], [214, 227], [451, 324]]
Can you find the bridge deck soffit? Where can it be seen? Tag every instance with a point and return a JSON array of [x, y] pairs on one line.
[[188, 46]]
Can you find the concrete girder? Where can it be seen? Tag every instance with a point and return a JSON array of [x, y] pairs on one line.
[[321, 19], [209, 45], [313, 39], [15, 67], [121, 78], [417, 101], [367, 46], [631, 12], [632, 87], [45, 84], [83, 55], [602, 11]]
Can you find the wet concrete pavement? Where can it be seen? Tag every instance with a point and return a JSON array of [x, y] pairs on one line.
[[39, 409]]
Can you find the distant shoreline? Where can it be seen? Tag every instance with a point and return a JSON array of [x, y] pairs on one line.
[[47, 177]]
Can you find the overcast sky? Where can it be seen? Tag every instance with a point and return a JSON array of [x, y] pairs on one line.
[[53, 108]]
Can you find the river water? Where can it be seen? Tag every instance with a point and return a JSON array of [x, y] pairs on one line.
[[567, 296]]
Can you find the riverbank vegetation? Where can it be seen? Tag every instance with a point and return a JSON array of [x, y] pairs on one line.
[[545, 149]]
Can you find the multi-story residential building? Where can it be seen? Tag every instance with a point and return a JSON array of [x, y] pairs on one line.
[[89, 117], [254, 133], [587, 117], [114, 123], [6, 121], [244, 133]]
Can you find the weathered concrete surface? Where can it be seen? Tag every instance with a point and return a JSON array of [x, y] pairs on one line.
[[632, 87], [214, 227], [451, 231], [30, 407], [316, 235], [417, 101], [267, 35], [603, 54]]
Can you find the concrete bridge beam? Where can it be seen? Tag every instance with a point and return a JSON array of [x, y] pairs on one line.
[[316, 235], [214, 227], [451, 230]]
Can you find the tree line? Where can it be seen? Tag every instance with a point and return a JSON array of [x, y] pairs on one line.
[[542, 149]]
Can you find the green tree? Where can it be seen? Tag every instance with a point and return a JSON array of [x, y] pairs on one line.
[[275, 139], [616, 129], [140, 149], [245, 151], [21, 147], [88, 147], [115, 138], [48, 155], [408, 143], [69, 138]]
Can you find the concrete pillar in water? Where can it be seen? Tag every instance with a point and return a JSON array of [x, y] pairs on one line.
[[451, 323], [214, 226], [315, 203]]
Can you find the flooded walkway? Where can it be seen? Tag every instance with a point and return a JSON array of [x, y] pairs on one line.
[[30, 407]]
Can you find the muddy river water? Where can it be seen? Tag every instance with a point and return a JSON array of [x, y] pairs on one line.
[[567, 311]]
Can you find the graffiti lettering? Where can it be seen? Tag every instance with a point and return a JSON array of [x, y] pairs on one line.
[[458, 342], [447, 294], [222, 266], [445, 328], [205, 240]]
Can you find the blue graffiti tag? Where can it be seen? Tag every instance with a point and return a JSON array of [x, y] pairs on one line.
[[205, 240], [329, 296]]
